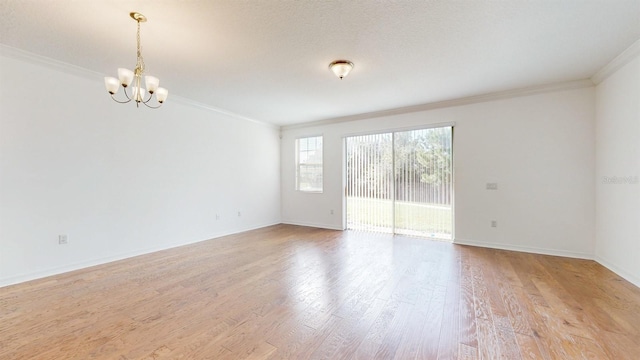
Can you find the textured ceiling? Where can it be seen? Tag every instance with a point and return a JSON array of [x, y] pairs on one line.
[[267, 60]]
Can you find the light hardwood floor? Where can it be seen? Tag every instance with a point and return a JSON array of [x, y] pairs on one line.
[[295, 293]]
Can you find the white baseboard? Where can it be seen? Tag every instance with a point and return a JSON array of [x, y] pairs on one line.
[[104, 260], [635, 280], [526, 249], [315, 225], [85, 264]]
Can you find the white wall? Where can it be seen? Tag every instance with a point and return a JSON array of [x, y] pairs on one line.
[[617, 162], [118, 180], [539, 148]]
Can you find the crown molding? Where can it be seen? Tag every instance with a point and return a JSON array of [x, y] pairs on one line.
[[195, 104], [569, 85], [619, 61], [35, 59]]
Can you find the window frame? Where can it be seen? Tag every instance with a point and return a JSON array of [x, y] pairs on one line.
[[299, 165]]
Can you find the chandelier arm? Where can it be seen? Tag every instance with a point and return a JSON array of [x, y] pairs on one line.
[[118, 101], [149, 99], [151, 107], [127, 95]]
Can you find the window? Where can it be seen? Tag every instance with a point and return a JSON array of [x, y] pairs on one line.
[[309, 164]]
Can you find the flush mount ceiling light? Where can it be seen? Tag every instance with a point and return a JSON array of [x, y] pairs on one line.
[[341, 68], [134, 78]]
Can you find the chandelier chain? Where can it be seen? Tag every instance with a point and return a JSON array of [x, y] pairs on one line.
[[140, 60]]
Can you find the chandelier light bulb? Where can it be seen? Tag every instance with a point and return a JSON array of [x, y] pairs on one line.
[[161, 95], [125, 76], [152, 83], [112, 84]]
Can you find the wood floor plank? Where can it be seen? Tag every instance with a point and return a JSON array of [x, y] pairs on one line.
[[467, 327], [466, 352], [430, 337], [450, 330], [528, 346], [488, 345], [332, 344], [395, 333], [480, 294], [509, 348], [260, 351], [344, 342], [539, 332], [409, 346], [618, 346], [373, 340], [291, 292]]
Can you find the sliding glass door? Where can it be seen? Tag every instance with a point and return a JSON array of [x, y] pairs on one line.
[[370, 182], [423, 182], [401, 182]]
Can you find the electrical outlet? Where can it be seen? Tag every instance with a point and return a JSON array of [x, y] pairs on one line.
[[217, 216], [492, 186], [331, 212], [239, 214], [63, 239], [494, 223]]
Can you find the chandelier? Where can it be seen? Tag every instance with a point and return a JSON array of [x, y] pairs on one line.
[[134, 78]]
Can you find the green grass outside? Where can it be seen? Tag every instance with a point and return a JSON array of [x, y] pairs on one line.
[[432, 220]]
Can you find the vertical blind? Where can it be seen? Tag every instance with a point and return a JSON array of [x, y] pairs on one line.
[[370, 182], [401, 182]]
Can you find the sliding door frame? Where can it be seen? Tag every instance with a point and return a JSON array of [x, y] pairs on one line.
[[393, 185]]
